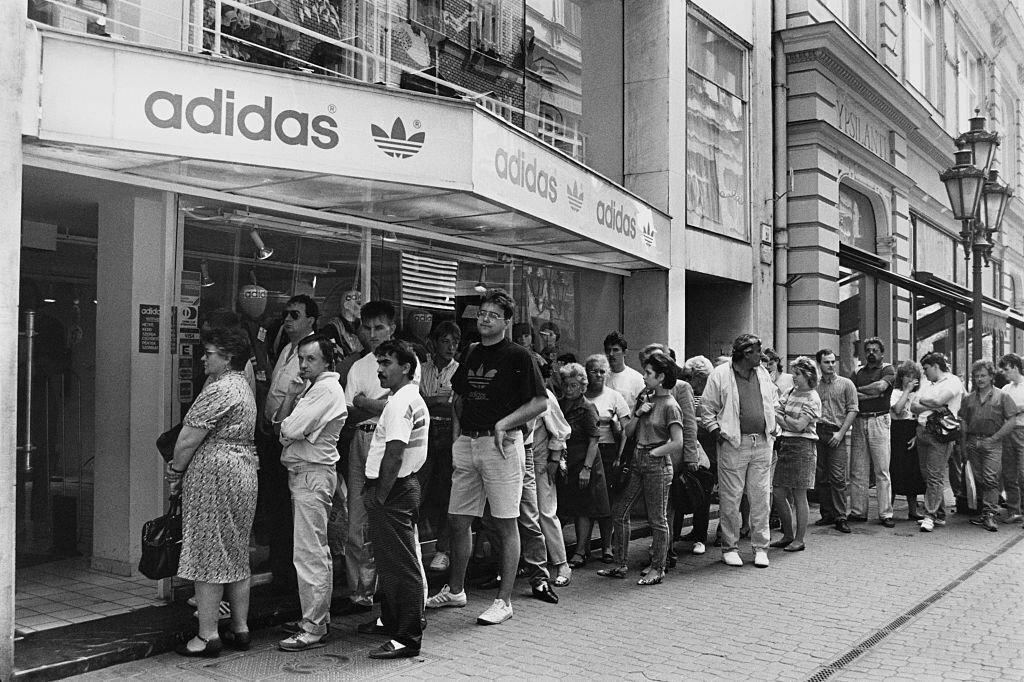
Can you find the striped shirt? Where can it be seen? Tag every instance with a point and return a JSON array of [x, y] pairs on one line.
[[796, 404], [405, 418]]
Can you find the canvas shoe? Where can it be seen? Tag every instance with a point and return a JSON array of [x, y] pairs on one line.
[[732, 559], [698, 548], [761, 558], [498, 613], [446, 598], [939, 522], [301, 641], [440, 562], [927, 525]]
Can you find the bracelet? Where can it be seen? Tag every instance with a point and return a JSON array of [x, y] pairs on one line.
[[588, 468]]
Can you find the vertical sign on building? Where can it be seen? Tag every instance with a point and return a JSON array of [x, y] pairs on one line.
[[149, 328]]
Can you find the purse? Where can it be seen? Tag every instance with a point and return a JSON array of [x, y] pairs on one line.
[[161, 543], [167, 440], [944, 426]]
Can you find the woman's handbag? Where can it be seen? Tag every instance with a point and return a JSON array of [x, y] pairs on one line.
[[943, 426], [161, 543], [167, 440]]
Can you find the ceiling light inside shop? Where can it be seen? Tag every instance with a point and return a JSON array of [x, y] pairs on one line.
[[205, 279], [481, 286], [262, 252]]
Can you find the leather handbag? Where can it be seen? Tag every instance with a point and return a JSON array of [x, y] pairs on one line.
[[943, 425], [161, 543]]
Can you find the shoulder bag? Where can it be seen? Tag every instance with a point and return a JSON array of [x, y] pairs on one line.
[[161, 543], [943, 426]]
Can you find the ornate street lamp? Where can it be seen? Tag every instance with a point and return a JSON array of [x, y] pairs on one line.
[[978, 201]]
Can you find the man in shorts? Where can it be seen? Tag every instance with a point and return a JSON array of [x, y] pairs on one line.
[[498, 389]]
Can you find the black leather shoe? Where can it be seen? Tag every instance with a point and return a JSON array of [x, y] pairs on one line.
[[889, 522], [842, 526], [239, 641], [857, 519], [373, 628], [824, 521], [387, 650], [210, 650], [543, 591], [350, 607], [784, 542]]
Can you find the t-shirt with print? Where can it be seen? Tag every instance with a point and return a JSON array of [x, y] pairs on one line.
[[653, 428], [494, 381], [405, 419]]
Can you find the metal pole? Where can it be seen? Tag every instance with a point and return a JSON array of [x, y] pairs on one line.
[[12, 53], [977, 311]]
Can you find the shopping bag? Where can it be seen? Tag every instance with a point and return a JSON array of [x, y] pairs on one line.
[[970, 487], [161, 543]]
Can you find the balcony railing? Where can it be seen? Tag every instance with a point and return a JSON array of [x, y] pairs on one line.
[[305, 35]]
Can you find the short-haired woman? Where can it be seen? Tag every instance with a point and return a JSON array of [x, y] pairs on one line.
[[904, 466], [583, 493], [797, 414], [214, 468], [659, 436]]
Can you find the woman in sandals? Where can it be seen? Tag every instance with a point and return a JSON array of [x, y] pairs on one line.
[[797, 415], [658, 424], [582, 494]]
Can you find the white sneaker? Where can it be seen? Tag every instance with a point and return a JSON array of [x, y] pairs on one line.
[[927, 525], [440, 562], [939, 522], [732, 558], [761, 558], [498, 613], [698, 548], [447, 598]]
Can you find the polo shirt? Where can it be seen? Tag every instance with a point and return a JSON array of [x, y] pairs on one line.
[[869, 375], [985, 416], [405, 418]]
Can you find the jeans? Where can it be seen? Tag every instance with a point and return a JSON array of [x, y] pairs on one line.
[[746, 468], [1013, 469], [362, 571], [986, 462], [532, 545], [393, 529], [651, 476], [312, 492], [435, 478], [830, 474], [870, 444], [547, 504], [934, 458]]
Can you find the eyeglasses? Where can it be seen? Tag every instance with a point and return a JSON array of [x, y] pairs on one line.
[[352, 297], [211, 353], [548, 334], [291, 314], [597, 371], [488, 315]]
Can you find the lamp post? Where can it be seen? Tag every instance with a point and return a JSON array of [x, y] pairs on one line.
[[978, 200]]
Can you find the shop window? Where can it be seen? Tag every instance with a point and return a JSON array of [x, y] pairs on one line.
[[922, 53], [716, 132]]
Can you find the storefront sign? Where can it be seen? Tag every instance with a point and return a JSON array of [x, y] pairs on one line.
[[866, 129], [149, 328]]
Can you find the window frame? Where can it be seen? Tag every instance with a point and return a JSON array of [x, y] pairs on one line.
[[927, 56]]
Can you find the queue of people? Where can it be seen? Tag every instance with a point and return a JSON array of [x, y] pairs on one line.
[[515, 443]]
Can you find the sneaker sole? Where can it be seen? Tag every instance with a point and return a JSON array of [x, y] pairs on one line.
[[447, 605], [481, 621], [305, 647]]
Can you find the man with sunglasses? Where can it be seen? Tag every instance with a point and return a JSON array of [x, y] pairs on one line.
[[299, 321]]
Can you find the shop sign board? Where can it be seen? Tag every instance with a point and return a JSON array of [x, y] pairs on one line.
[[525, 175], [149, 328]]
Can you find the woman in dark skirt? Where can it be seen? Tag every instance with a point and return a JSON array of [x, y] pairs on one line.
[[583, 494], [904, 468], [797, 414]]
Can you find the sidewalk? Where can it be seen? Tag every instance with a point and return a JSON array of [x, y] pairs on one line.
[[877, 603]]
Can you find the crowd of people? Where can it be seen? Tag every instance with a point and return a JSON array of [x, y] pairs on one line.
[[495, 439]]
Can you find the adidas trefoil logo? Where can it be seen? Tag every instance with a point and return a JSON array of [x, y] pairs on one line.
[[649, 235], [397, 145], [575, 197], [480, 379]]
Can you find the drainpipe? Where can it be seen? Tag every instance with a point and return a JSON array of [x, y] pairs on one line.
[[12, 53], [780, 184]]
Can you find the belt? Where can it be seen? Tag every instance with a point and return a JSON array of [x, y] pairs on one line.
[[478, 434], [368, 428], [441, 419], [867, 415], [649, 446]]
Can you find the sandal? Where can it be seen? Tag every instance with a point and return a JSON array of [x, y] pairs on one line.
[[564, 577], [654, 577], [617, 572], [577, 561]]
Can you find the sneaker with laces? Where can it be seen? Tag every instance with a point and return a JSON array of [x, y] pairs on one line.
[[927, 525], [939, 522], [699, 548], [761, 558], [446, 598], [732, 558], [440, 562], [301, 641], [499, 612]]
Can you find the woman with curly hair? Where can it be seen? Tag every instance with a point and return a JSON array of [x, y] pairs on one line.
[[904, 467], [583, 494], [214, 469]]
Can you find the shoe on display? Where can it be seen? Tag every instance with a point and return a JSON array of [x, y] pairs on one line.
[[498, 613], [698, 548], [927, 525], [761, 558], [446, 598], [440, 562], [732, 559]]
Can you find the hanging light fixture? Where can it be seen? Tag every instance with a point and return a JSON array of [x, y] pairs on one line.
[[481, 286], [262, 252], [389, 236], [204, 275]]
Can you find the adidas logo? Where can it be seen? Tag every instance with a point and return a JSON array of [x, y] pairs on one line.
[[480, 379], [649, 235], [575, 197], [397, 145]]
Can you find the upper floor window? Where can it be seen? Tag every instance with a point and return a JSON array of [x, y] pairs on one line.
[[856, 15], [921, 46], [489, 24], [856, 220], [971, 87], [567, 13], [427, 13]]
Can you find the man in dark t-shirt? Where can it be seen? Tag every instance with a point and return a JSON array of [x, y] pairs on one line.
[[870, 446], [497, 390]]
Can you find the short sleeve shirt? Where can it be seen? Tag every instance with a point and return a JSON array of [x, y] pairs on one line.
[[609, 402], [628, 382], [985, 417], [654, 427], [869, 375], [796, 404], [1016, 391], [405, 418], [493, 382]]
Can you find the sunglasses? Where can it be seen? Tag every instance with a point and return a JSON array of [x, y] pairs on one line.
[[488, 315], [291, 314]]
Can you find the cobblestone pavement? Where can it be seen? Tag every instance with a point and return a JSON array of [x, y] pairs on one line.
[[876, 604]]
